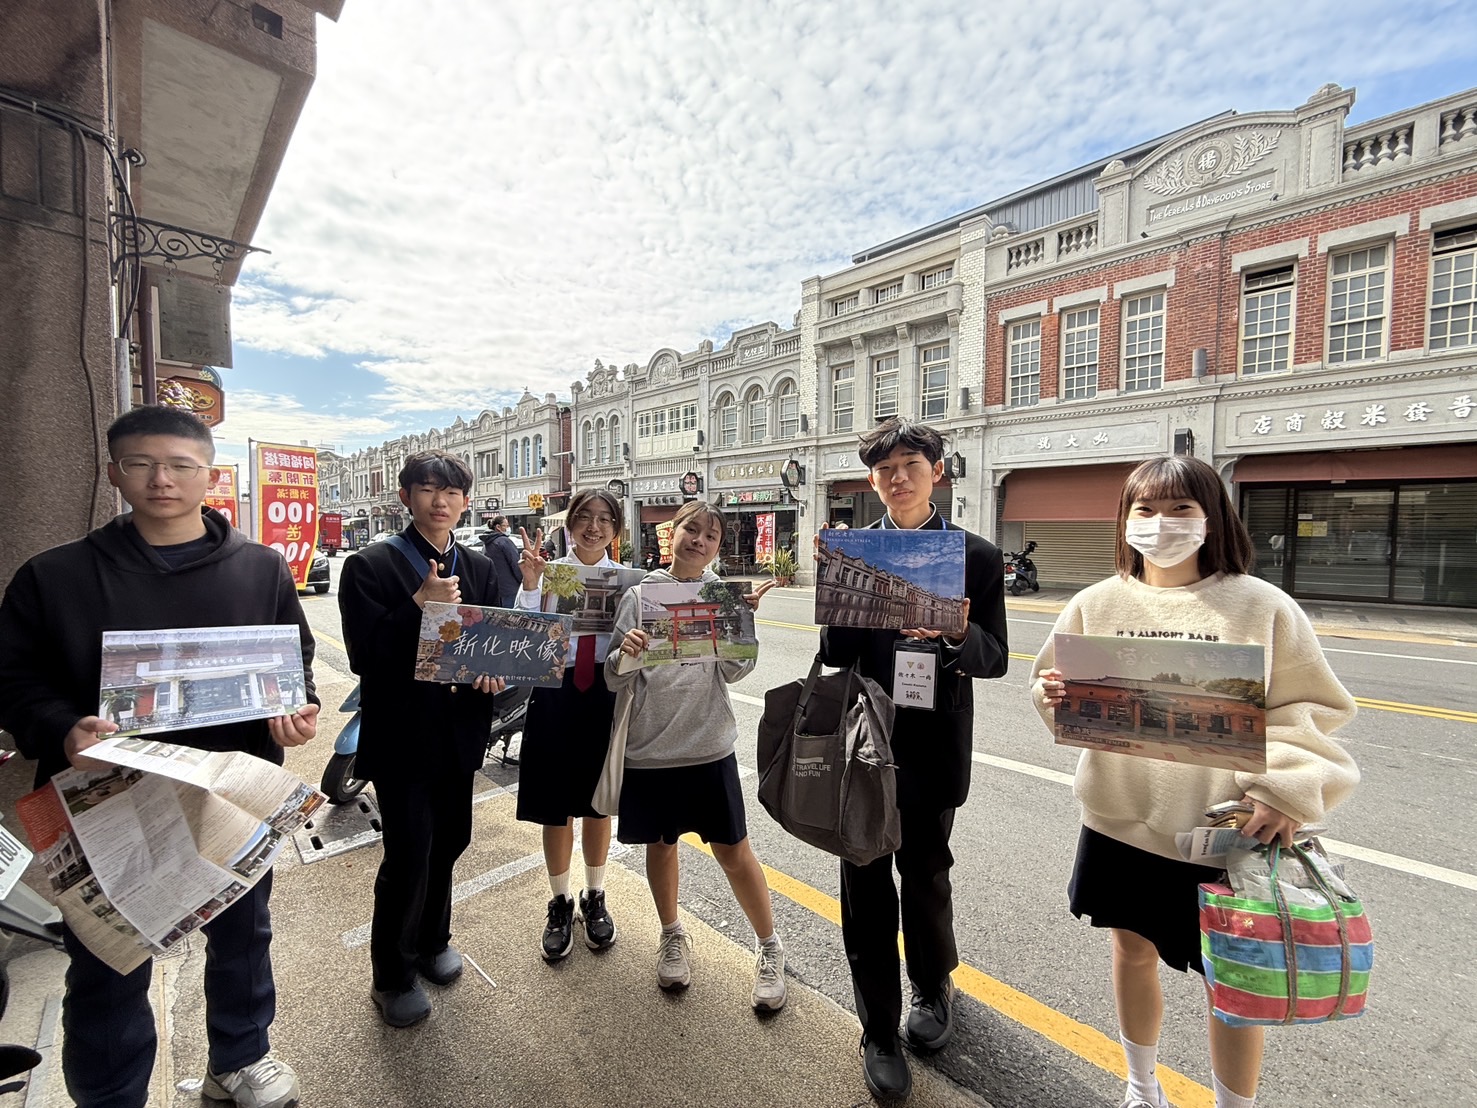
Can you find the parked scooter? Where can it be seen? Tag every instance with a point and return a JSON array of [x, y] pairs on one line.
[[339, 781], [1020, 571]]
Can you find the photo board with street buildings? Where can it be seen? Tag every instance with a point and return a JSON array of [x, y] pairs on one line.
[[890, 579], [697, 621], [1193, 701], [171, 680]]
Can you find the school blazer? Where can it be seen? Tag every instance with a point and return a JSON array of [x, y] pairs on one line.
[[933, 748]]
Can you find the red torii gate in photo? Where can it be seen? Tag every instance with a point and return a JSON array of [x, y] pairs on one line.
[[694, 613]]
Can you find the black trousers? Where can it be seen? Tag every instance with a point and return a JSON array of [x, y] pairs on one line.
[[109, 1043], [869, 920], [427, 824]]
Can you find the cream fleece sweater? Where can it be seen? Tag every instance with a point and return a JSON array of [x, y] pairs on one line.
[[1144, 802]]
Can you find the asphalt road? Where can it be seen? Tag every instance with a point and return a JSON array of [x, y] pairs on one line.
[[1036, 1021]]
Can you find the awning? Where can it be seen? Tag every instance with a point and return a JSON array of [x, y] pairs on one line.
[[1410, 463], [557, 519]]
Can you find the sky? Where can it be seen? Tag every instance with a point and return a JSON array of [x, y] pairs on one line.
[[934, 560], [485, 196]]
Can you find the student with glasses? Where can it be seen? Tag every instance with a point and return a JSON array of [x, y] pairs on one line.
[[566, 736]]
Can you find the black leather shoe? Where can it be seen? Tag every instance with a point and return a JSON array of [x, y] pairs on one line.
[[931, 1019], [886, 1068], [401, 1009], [440, 969]]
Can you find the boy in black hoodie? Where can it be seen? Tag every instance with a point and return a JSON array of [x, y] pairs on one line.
[[169, 563]]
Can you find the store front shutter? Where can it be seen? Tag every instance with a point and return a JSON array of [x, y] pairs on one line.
[[1073, 554]]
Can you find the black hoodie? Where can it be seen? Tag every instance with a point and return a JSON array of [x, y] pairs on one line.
[[60, 602]]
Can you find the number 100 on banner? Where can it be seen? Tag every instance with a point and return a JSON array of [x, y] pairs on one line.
[[285, 487]]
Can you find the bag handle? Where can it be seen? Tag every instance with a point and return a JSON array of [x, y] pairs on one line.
[[805, 693], [1289, 942]]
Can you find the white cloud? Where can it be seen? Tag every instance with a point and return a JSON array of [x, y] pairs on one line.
[[482, 197], [263, 417]]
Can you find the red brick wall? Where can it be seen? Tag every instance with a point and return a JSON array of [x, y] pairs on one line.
[[1203, 307]]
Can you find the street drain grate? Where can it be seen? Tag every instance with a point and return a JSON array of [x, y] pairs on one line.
[[339, 828]]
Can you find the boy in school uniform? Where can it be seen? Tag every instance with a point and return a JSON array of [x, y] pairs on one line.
[[419, 742], [168, 563], [933, 750]]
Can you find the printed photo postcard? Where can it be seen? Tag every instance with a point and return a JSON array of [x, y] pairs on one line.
[[188, 677], [890, 579], [1176, 700], [696, 621], [588, 594], [461, 642]]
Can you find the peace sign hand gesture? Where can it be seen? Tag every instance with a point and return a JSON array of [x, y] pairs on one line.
[[532, 563]]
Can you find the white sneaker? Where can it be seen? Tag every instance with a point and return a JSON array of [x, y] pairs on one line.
[[769, 977], [266, 1083], [1161, 1101], [672, 970]]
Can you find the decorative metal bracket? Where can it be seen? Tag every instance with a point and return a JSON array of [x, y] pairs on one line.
[[151, 241]]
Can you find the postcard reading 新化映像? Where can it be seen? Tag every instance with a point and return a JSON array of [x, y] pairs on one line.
[[172, 680], [697, 621], [588, 594], [461, 642], [1173, 699], [890, 578]]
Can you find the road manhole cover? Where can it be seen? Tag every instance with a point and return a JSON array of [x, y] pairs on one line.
[[339, 828]]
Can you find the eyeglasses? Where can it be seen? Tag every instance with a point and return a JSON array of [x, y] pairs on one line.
[[144, 467], [584, 519]]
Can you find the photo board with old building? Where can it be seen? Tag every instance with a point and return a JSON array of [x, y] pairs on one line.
[[175, 679], [1178, 699], [587, 594], [461, 642], [697, 621], [890, 579]]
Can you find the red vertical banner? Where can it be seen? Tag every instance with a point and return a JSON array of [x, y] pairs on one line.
[[764, 536], [664, 541], [222, 495], [284, 491]]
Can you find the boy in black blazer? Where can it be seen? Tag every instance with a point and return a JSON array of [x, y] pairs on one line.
[[933, 751]]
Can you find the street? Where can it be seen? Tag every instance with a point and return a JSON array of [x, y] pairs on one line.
[[1035, 1019]]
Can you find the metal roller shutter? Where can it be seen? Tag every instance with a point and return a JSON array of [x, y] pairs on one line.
[[1072, 554]]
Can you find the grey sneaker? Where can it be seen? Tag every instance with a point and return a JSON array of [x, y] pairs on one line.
[[672, 970], [266, 1083], [769, 977]]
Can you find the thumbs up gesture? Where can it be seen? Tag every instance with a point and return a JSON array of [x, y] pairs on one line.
[[436, 589]]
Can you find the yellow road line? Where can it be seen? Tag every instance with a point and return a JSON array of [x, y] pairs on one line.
[[1086, 1042], [330, 640], [1454, 714], [791, 626]]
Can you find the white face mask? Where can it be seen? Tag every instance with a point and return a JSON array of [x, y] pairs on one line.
[[1164, 540]]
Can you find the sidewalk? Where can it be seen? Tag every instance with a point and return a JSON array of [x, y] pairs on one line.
[[1396, 622], [593, 1030]]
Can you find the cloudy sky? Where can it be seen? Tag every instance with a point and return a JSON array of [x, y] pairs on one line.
[[484, 196]]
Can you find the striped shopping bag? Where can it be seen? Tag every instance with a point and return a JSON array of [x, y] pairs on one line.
[[1271, 962]]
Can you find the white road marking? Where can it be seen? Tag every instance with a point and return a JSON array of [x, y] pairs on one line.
[[1403, 657]]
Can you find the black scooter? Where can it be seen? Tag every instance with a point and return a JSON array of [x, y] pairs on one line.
[[339, 782], [1020, 571]]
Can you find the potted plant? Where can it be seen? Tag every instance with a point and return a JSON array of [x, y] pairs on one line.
[[782, 566]]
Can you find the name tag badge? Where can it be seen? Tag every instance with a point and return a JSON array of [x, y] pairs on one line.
[[915, 670]]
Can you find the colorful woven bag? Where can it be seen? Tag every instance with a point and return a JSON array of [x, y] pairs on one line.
[[1271, 962]]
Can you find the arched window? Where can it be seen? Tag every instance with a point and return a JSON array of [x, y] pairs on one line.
[[527, 458], [758, 413], [587, 454], [540, 463], [602, 442], [615, 438], [789, 411], [728, 420], [513, 458]]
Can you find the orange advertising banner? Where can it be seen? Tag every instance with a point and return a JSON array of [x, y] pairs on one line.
[[223, 496], [664, 541], [285, 494]]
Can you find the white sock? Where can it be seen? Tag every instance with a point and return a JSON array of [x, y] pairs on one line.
[[1225, 1098], [671, 928], [1142, 1084], [594, 878], [773, 940], [559, 882]]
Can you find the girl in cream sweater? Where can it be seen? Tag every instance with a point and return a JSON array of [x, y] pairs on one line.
[[1183, 562]]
